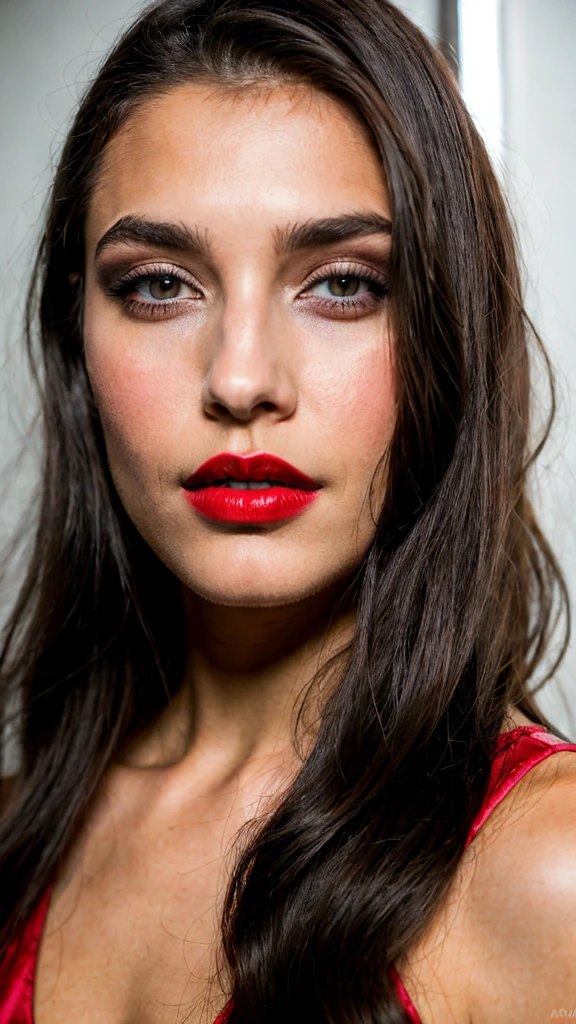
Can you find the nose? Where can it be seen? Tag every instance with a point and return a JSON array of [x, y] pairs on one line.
[[253, 368]]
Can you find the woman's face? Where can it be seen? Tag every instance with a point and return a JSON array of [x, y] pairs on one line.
[[235, 302]]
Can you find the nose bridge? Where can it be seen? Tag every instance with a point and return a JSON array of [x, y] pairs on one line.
[[249, 368]]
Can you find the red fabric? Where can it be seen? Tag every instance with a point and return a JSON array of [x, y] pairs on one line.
[[517, 752], [222, 1017], [17, 970]]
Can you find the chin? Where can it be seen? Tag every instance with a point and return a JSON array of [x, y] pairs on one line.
[[244, 570], [262, 593], [250, 583]]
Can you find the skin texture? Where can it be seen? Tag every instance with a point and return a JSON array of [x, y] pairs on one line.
[[249, 358], [253, 364], [252, 359], [503, 947], [262, 360]]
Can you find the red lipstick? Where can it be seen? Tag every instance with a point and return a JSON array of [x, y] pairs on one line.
[[258, 488]]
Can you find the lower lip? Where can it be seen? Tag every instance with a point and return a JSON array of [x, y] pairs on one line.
[[271, 504]]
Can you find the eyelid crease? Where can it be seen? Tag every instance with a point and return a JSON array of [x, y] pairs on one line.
[[361, 271], [150, 273], [156, 270], [144, 310]]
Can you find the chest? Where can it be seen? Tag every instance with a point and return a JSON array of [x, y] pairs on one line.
[[131, 932], [138, 943]]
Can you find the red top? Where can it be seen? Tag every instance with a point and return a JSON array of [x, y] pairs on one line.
[[517, 752]]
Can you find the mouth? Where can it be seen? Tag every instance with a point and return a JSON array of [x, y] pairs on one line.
[[255, 488], [248, 485]]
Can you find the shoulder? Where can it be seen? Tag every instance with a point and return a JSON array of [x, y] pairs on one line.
[[503, 946], [520, 904]]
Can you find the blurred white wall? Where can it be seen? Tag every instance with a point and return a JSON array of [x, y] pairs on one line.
[[424, 13], [49, 50], [538, 59]]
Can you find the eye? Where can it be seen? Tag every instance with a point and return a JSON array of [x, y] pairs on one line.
[[157, 292], [345, 286], [153, 287], [159, 288], [346, 291]]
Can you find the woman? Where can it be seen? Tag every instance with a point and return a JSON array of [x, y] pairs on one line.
[[274, 648]]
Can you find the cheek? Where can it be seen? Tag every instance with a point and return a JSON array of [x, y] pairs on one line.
[[148, 390], [355, 406], [143, 397]]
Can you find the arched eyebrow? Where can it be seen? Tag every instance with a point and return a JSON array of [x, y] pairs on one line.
[[157, 234], [288, 239], [313, 233]]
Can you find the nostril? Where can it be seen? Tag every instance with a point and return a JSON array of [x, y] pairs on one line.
[[218, 410], [221, 410], [229, 396]]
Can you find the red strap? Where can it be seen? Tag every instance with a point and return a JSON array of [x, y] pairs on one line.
[[517, 752]]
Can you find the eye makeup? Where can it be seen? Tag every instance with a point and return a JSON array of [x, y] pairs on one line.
[[347, 299], [156, 290], [160, 279]]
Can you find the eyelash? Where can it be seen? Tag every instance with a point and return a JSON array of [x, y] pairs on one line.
[[156, 310]]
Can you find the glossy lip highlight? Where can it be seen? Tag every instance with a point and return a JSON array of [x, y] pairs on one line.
[[293, 493]]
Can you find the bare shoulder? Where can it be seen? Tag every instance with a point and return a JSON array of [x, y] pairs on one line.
[[503, 947], [520, 904]]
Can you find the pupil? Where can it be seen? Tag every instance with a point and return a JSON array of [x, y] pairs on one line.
[[344, 285], [164, 288]]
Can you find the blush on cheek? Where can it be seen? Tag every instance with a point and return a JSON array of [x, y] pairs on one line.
[[140, 400], [368, 405], [371, 418]]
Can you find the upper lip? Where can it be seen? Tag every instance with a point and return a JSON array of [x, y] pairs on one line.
[[258, 466]]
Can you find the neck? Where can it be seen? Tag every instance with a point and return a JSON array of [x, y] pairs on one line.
[[247, 670]]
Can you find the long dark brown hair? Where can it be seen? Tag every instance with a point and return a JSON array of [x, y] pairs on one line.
[[456, 599]]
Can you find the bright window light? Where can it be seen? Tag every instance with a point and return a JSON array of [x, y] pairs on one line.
[[480, 70]]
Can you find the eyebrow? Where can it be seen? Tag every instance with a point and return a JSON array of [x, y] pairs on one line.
[[313, 233], [287, 239], [137, 230]]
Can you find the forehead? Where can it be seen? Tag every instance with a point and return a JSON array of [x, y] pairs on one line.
[[209, 153]]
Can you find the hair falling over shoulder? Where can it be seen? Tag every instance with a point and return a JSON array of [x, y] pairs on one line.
[[457, 597]]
